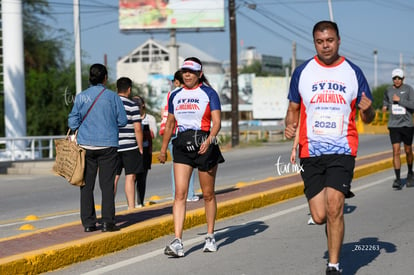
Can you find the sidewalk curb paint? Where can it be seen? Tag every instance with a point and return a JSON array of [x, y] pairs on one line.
[[61, 255], [58, 256]]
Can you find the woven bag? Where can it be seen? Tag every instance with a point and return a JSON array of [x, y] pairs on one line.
[[70, 160]]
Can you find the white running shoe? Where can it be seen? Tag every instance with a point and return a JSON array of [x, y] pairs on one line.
[[210, 245], [175, 249], [310, 221], [193, 199]]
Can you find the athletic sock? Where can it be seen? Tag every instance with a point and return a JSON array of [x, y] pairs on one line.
[[397, 173]]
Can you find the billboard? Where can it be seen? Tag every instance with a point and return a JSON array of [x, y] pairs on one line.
[[170, 14]]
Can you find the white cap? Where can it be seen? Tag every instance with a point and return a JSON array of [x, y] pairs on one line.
[[398, 72], [191, 65]]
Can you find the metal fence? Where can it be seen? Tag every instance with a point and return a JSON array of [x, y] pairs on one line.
[[43, 147], [27, 148]]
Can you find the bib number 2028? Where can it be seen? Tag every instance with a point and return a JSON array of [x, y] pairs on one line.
[[327, 124]]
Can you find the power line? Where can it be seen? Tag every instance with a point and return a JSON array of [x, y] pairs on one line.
[[292, 26], [265, 10]]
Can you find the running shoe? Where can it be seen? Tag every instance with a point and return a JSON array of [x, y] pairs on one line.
[[193, 199], [330, 270], [210, 245], [410, 180], [397, 184], [311, 221], [349, 195], [175, 249]]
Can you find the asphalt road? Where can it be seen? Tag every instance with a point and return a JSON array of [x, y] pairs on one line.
[[277, 240], [53, 201]]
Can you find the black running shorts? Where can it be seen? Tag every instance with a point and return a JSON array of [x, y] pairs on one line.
[[401, 134], [334, 171], [131, 161], [203, 162]]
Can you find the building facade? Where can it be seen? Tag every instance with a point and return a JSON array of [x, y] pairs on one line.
[[153, 58]]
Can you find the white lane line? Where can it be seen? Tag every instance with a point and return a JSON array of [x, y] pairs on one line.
[[8, 224], [368, 185], [190, 242], [39, 220]]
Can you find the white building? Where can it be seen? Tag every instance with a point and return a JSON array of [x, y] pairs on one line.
[[149, 64], [152, 58], [248, 56]]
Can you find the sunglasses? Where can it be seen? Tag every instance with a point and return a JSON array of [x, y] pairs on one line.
[[183, 71], [396, 78]]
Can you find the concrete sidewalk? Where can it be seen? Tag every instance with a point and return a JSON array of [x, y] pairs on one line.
[[56, 247]]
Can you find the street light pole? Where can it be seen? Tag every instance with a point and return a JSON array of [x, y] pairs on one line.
[[330, 10], [375, 68], [233, 76], [78, 59]]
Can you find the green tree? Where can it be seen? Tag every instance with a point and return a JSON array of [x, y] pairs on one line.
[[49, 101], [41, 52], [50, 87], [256, 68], [49, 78], [378, 96], [2, 123]]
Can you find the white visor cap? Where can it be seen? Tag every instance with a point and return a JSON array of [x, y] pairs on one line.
[[191, 65]]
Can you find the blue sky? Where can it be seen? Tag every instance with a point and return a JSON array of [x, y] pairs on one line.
[[384, 25]]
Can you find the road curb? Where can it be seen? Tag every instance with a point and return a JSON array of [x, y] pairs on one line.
[[58, 256]]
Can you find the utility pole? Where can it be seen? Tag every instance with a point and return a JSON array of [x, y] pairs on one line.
[[78, 61], [233, 76], [173, 51], [330, 10], [375, 68], [293, 57]]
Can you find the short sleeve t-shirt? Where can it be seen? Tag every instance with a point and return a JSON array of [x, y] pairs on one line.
[[192, 107], [127, 139], [328, 96]]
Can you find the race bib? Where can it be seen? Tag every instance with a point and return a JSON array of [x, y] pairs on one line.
[[398, 110], [327, 124]]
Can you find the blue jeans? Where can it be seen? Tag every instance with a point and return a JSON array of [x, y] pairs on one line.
[[191, 184]]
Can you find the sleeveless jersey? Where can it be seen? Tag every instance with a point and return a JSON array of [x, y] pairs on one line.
[[192, 107], [328, 97]]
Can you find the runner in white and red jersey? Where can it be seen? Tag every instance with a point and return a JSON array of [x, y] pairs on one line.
[[324, 93], [196, 109], [192, 107], [177, 83], [328, 97]]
